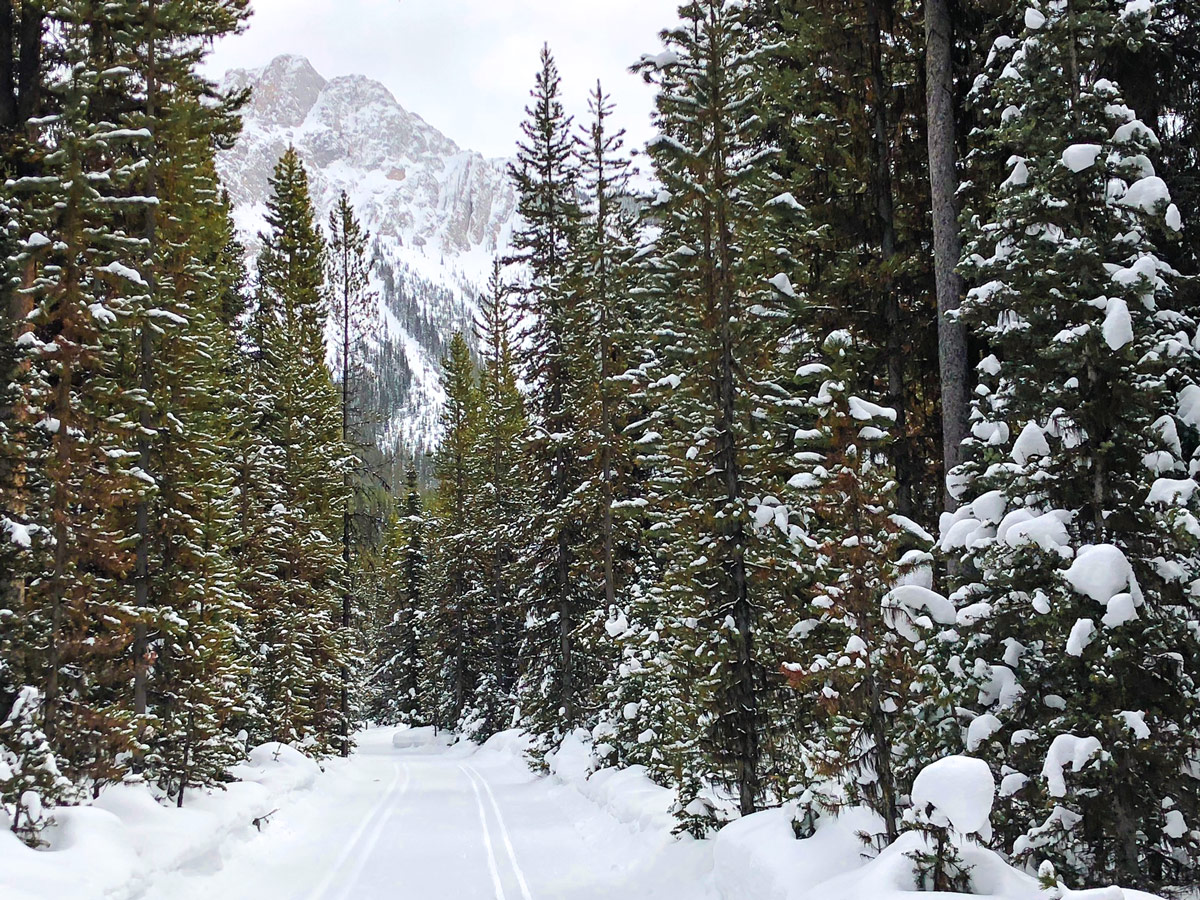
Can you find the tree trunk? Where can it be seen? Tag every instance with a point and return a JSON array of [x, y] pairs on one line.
[[146, 384], [29, 65], [881, 159], [743, 698], [8, 79], [947, 245]]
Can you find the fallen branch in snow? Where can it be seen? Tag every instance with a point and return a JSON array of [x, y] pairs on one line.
[[265, 819]]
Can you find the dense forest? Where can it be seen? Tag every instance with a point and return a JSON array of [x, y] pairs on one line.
[[867, 437]]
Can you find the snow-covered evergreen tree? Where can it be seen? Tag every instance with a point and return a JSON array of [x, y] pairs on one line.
[[78, 256], [1075, 649], [456, 630], [855, 662], [354, 312], [725, 540], [557, 686], [295, 585], [497, 508], [30, 781], [396, 683]]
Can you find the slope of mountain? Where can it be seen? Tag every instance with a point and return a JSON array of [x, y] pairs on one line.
[[437, 214]]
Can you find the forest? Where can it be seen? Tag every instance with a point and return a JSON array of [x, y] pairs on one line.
[[867, 436]]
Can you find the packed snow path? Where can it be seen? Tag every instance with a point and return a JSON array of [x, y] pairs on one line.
[[424, 820]]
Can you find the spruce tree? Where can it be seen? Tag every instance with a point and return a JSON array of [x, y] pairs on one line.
[[456, 630], [354, 311], [497, 508], [556, 691], [725, 539], [855, 663], [296, 588], [395, 683], [1078, 660], [80, 276], [177, 352]]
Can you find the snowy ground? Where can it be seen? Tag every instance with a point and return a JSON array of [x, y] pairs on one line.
[[430, 821], [411, 817]]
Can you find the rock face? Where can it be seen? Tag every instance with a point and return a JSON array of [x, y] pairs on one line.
[[437, 214]]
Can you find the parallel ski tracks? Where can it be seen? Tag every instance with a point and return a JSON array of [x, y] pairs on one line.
[[362, 842], [476, 779]]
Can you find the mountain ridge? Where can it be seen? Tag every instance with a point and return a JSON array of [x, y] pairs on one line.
[[437, 213]]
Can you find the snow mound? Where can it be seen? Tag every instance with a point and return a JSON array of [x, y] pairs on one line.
[[1147, 194], [631, 796], [957, 791], [759, 856], [1100, 571], [406, 738], [573, 760], [1079, 157], [280, 767], [1030, 443], [891, 876]]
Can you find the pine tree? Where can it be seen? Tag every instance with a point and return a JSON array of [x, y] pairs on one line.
[[178, 350], [1079, 660], [556, 690], [456, 627], [855, 660], [725, 539], [296, 587], [837, 101], [498, 506], [395, 683], [415, 611], [30, 781], [354, 311], [79, 265]]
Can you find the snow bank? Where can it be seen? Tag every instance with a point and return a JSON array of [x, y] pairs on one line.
[[628, 794], [890, 876], [116, 846], [759, 856]]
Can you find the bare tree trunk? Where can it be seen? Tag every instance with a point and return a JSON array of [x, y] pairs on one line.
[[947, 245], [886, 223], [146, 383], [8, 80], [29, 66]]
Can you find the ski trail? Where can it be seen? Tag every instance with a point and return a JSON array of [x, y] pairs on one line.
[[376, 833], [322, 888], [512, 855], [487, 837]]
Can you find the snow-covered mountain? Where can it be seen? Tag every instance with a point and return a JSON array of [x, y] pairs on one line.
[[437, 214]]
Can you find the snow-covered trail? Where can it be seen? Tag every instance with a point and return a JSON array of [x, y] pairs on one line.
[[431, 821]]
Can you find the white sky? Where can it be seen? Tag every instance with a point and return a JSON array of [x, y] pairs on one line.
[[466, 66]]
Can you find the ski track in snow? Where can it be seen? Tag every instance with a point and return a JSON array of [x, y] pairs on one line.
[[428, 821], [493, 869], [383, 813], [477, 779]]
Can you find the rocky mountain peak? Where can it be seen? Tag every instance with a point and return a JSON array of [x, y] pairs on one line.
[[284, 90], [437, 215]]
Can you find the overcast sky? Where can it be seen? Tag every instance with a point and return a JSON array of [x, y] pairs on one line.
[[465, 66]]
